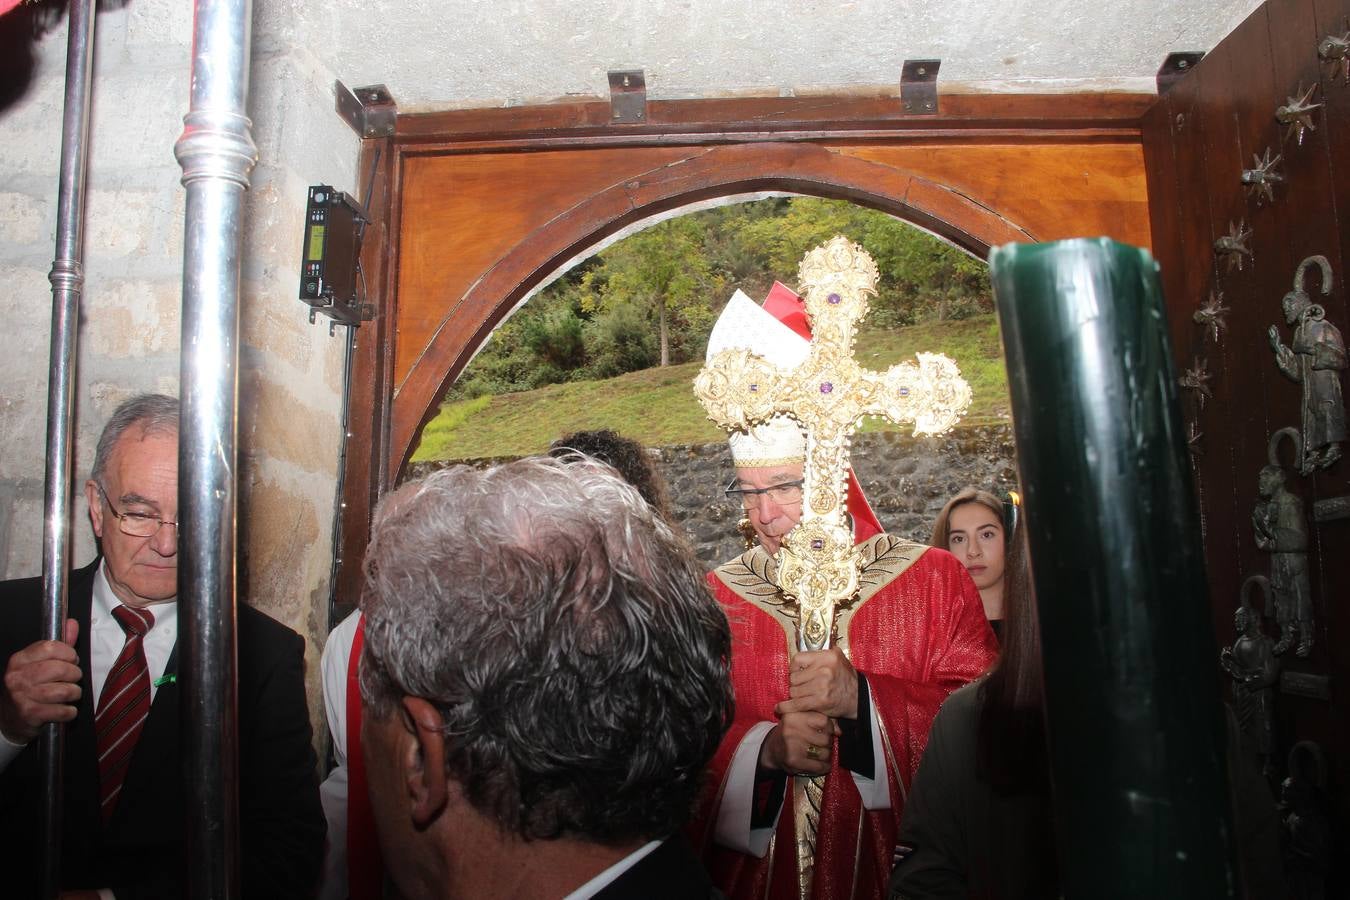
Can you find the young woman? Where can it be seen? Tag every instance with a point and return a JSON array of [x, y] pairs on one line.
[[971, 527], [977, 821]]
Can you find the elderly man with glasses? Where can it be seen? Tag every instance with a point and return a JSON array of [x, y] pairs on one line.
[[812, 775], [113, 680]]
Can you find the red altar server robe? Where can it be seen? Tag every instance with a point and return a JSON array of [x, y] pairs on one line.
[[916, 632]]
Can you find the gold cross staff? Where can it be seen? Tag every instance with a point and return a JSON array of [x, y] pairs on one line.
[[828, 394]]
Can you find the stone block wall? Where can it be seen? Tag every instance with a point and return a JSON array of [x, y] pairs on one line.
[[128, 339], [290, 371], [906, 479]]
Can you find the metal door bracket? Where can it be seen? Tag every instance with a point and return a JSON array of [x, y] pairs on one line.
[[369, 110], [627, 97], [918, 86]]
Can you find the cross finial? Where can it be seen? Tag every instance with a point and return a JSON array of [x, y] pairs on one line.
[[828, 394]]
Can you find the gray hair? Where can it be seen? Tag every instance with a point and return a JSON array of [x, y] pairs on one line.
[[565, 633], [154, 413]]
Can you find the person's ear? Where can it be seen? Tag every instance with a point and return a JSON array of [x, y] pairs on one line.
[[424, 760], [95, 507]]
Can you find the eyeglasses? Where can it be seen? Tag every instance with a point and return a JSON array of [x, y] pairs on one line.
[[782, 494], [135, 524]]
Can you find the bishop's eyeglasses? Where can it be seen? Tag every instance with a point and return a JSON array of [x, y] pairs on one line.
[[782, 494], [136, 524]]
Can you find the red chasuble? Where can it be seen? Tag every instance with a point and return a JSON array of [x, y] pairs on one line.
[[916, 632]]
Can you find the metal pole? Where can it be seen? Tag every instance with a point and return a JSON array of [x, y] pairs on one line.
[[217, 154], [67, 278], [1136, 728]]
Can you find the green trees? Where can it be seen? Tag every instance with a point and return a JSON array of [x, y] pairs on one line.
[[922, 277], [651, 298], [662, 271]]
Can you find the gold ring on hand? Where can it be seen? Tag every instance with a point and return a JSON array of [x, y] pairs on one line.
[[813, 751]]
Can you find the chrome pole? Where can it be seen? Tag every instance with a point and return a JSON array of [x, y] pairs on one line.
[[67, 278], [217, 154]]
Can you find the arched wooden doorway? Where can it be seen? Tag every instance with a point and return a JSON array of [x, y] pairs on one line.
[[475, 209]]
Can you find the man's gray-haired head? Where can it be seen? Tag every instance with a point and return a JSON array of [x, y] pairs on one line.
[[152, 413], [565, 634]]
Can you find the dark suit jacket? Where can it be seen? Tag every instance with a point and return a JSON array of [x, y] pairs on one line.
[[141, 851], [670, 872]]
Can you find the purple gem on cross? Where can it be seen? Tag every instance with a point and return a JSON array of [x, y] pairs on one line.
[[833, 299], [826, 387], [817, 544], [904, 392], [754, 388]]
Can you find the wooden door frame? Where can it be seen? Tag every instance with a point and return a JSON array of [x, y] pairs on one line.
[[745, 145]]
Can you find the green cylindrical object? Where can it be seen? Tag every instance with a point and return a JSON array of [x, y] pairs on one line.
[[1136, 727]]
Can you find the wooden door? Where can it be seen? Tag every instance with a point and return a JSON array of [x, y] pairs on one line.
[[1199, 138]]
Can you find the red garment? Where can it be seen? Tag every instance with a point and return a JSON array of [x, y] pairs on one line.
[[788, 307], [365, 866], [916, 636]]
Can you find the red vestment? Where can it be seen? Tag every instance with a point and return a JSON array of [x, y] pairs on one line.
[[916, 632]]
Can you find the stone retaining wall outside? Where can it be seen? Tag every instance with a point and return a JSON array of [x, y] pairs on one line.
[[906, 479]]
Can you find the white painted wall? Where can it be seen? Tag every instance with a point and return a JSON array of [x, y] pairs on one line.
[[435, 54]]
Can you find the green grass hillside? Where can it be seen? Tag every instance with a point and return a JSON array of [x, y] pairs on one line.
[[657, 406]]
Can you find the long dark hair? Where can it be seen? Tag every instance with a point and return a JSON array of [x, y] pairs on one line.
[[1010, 746], [1011, 750]]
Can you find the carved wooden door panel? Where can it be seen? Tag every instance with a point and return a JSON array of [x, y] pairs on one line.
[[1232, 233]]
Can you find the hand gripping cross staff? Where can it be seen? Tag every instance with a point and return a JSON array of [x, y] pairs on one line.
[[828, 393]]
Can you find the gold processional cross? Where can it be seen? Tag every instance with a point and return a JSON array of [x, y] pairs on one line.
[[828, 394]]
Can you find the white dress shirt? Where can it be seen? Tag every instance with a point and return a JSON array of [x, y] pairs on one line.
[[334, 664], [106, 637], [610, 875]]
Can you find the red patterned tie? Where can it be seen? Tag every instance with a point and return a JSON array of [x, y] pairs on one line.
[[123, 706]]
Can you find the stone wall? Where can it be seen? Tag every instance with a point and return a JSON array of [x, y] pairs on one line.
[[907, 480]]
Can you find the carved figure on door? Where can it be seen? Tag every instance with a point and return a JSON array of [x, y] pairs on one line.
[[1255, 671], [1282, 531], [1314, 359]]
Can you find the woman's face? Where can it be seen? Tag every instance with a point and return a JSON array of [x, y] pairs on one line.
[[976, 539]]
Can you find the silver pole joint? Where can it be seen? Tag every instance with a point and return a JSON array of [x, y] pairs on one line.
[[67, 275], [216, 144]]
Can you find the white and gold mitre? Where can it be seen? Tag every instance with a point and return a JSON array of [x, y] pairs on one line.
[[777, 442], [745, 325]]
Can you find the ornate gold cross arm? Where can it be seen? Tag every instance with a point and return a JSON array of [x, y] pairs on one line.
[[828, 394]]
